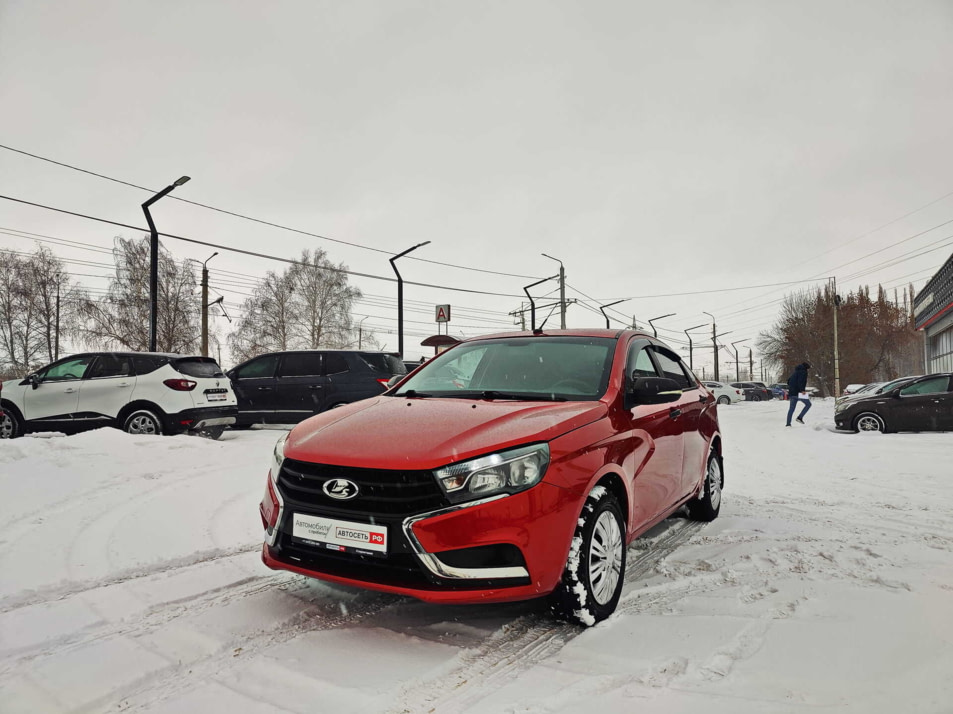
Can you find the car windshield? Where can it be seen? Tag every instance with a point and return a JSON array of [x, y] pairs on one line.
[[890, 385], [530, 368]]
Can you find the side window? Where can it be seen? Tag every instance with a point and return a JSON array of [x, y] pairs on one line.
[[927, 386], [110, 366], [335, 363], [67, 369], [145, 365], [300, 364], [672, 369], [639, 362], [261, 367]]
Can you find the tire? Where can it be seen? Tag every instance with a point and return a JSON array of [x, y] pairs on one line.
[[592, 579], [724, 400], [142, 421], [869, 421], [708, 506], [756, 397], [10, 425]]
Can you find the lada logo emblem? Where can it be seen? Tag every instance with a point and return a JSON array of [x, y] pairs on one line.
[[340, 489]]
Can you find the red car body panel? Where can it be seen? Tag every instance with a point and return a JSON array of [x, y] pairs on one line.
[[659, 459]]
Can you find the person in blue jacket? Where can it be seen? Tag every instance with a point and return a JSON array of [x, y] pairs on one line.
[[797, 384]]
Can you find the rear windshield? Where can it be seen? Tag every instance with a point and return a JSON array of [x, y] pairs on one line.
[[198, 367], [383, 363]]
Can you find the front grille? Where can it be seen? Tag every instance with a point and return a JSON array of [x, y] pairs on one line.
[[381, 492]]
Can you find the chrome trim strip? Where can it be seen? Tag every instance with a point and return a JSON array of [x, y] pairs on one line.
[[441, 569]]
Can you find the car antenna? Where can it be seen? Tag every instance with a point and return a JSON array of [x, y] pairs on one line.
[[539, 330]]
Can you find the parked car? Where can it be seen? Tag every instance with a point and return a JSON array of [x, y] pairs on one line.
[[138, 392], [508, 467], [851, 388], [876, 390], [866, 390], [6, 421], [780, 391], [725, 394], [754, 392], [286, 387], [920, 404]]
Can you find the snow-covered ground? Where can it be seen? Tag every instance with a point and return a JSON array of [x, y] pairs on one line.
[[130, 580]]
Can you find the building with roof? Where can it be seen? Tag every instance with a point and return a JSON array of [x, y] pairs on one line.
[[933, 313]]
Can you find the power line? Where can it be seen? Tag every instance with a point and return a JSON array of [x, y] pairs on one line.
[[258, 220]]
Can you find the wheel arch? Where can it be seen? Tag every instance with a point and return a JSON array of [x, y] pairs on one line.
[[614, 484], [715, 446], [142, 404], [11, 407]]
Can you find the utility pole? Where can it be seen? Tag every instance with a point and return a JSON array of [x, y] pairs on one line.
[[205, 304], [562, 291], [751, 364], [714, 342], [836, 355], [400, 297], [691, 363], [154, 262], [56, 346]]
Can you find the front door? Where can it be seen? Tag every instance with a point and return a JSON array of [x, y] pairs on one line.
[[56, 397], [655, 446], [917, 408], [255, 389], [108, 385]]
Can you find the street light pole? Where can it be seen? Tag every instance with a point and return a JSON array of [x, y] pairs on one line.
[[154, 262], [400, 298], [736, 342], [205, 304], [360, 331], [562, 291], [691, 363], [654, 331], [602, 309]]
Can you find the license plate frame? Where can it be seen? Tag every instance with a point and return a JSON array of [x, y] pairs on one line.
[[340, 536]]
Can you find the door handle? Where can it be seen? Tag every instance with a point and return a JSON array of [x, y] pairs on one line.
[[69, 391], [315, 387], [264, 389], [674, 413], [124, 384]]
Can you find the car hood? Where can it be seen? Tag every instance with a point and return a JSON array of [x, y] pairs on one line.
[[396, 432]]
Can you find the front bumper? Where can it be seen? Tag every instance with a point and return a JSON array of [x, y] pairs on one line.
[[499, 549], [198, 419]]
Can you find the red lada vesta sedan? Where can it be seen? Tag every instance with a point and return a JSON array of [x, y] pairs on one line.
[[509, 467]]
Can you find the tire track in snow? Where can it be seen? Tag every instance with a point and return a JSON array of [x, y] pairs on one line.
[[530, 639]]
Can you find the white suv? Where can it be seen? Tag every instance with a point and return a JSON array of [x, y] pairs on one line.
[[139, 392]]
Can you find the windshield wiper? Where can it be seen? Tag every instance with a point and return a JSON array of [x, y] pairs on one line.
[[492, 394], [411, 393]]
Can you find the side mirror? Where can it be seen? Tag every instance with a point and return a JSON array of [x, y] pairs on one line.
[[653, 390], [34, 380]]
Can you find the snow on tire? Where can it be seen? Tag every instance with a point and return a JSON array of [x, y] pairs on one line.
[[592, 579]]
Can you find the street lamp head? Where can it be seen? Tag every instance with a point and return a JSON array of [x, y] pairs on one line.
[[552, 258], [181, 180]]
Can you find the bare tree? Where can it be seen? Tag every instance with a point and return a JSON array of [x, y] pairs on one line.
[[37, 296], [121, 318], [306, 307]]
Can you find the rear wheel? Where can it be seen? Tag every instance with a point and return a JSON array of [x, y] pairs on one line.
[[142, 421], [10, 425], [592, 578], [708, 506], [724, 400], [868, 421], [756, 397]]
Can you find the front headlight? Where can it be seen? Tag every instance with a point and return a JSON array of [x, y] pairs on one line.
[[504, 472], [278, 456]]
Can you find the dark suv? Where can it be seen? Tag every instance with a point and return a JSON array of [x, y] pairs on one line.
[[286, 387]]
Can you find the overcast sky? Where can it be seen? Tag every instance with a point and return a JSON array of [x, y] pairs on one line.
[[653, 147]]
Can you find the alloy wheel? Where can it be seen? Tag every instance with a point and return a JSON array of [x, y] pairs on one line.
[[714, 482], [142, 424]]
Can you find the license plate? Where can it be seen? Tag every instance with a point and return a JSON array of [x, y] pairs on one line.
[[216, 397], [340, 536]]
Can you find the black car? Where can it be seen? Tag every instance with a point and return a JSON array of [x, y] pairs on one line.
[[922, 404], [286, 387], [754, 392]]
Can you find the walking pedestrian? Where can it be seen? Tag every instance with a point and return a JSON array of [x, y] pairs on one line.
[[797, 392]]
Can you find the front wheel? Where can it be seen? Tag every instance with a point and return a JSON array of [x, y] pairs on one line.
[[707, 507], [868, 421], [724, 400], [591, 584], [142, 421], [10, 426]]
